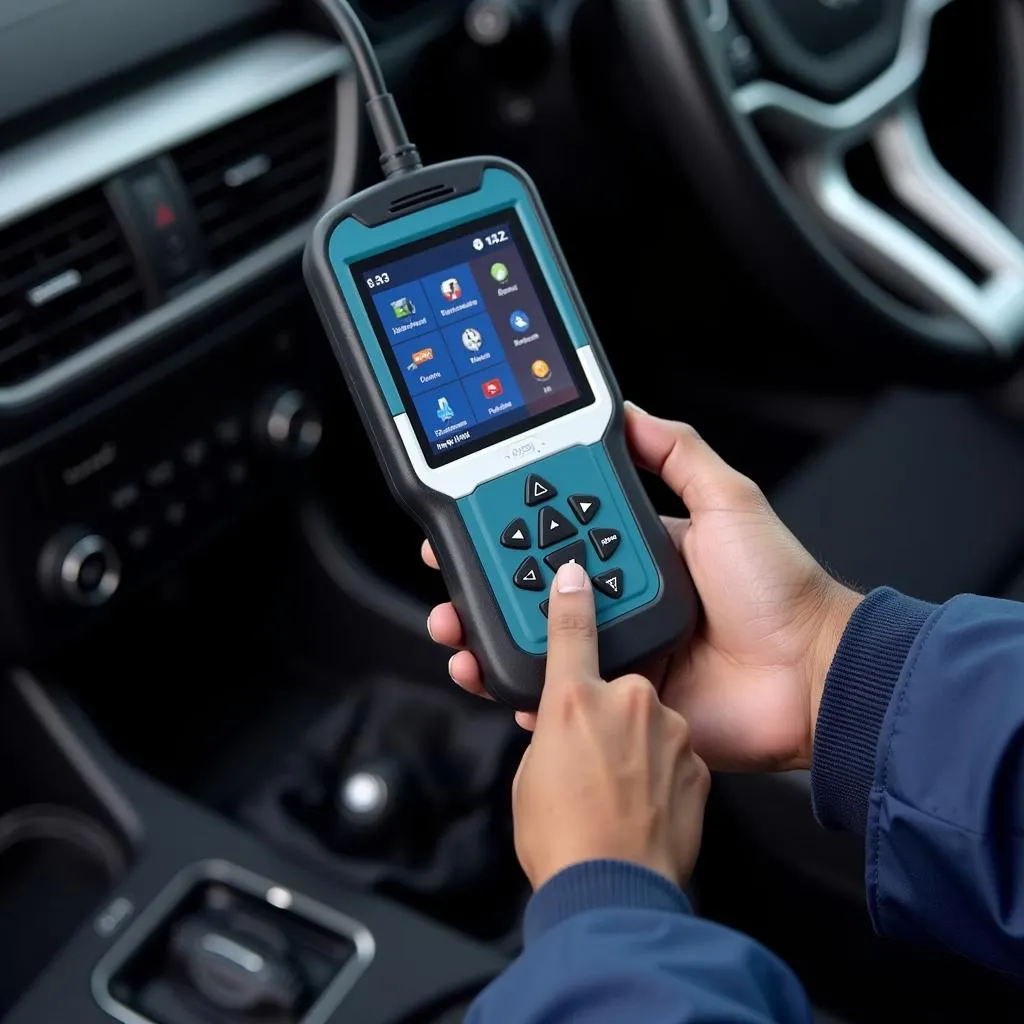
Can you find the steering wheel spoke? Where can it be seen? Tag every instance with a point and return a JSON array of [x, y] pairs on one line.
[[990, 301], [809, 120]]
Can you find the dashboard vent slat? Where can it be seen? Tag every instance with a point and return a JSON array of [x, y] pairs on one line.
[[67, 278], [255, 179]]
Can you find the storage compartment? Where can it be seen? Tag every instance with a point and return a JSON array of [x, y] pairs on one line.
[[224, 946], [62, 845]]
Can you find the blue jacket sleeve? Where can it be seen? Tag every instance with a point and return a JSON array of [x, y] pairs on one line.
[[608, 942], [920, 745]]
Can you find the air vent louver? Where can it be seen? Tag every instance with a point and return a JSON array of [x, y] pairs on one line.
[[67, 279], [253, 180]]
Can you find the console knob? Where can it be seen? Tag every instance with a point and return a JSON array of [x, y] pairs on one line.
[[291, 423], [79, 566]]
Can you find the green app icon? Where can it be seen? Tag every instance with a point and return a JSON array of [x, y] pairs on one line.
[[499, 272], [402, 308]]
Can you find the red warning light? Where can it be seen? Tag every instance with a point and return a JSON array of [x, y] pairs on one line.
[[163, 216]]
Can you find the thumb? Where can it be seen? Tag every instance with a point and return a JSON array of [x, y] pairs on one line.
[[675, 451]]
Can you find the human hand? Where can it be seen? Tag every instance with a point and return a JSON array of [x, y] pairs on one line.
[[610, 773], [750, 681]]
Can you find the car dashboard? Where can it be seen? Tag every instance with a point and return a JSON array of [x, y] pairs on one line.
[[160, 168]]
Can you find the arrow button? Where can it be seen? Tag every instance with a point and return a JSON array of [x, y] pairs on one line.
[[570, 553], [516, 535], [538, 490], [606, 542], [528, 575], [553, 527], [584, 506], [610, 583]]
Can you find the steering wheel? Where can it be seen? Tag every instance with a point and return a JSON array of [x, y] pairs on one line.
[[766, 100]]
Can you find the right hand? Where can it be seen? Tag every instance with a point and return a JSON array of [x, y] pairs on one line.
[[750, 682], [610, 773]]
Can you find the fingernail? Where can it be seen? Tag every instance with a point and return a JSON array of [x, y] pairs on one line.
[[430, 632], [571, 578], [450, 674], [636, 408]]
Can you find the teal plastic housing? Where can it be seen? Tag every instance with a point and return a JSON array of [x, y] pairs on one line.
[[352, 242], [582, 470]]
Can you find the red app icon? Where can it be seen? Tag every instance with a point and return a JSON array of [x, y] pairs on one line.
[[492, 388]]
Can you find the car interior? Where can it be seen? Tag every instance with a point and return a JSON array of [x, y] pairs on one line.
[[236, 782]]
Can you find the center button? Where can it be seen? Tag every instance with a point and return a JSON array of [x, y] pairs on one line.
[[570, 553], [553, 527]]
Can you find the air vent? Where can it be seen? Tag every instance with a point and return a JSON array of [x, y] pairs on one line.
[[253, 180], [67, 279]]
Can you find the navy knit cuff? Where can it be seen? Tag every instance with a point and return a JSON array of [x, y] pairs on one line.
[[858, 689], [598, 885]]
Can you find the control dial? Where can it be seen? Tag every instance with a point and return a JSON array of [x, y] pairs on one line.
[[291, 423], [79, 567]]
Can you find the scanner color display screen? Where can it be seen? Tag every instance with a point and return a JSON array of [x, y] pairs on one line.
[[472, 336]]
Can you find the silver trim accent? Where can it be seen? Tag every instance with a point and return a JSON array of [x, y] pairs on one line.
[[97, 146], [153, 121], [71, 571], [995, 308], [57, 286], [803, 113], [463, 476], [255, 885]]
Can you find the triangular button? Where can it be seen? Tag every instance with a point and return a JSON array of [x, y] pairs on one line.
[[553, 527], [538, 490], [606, 542], [584, 506], [610, 583], [528, 575], [516, 535]]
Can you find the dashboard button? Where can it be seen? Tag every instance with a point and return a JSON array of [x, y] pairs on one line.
[[584, 507], [140, 538], [544, 608], [124, 497], [606, 542], [516, 535], [553, 527], [80, 567], [195, 452], [528, 576], [611, 583], [161, 474], [571, 553], [229, 430], [538, 490], [175, 513]]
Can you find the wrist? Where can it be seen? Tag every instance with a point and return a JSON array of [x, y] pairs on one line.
[[837, 608]]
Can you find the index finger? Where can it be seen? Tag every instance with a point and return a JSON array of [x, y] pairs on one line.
[[572, 629]]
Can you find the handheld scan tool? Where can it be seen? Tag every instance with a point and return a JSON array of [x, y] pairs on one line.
[[491, 407]]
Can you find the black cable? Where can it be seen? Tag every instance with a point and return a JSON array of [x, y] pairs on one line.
[[397, 154]]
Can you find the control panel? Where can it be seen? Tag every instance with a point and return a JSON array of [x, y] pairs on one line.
[[102, 511]]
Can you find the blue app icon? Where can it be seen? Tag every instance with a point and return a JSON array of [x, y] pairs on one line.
[[519, 322], [404, 312], [473, 344], [493, 393], [453, 294], [444, 412], [425, 363]]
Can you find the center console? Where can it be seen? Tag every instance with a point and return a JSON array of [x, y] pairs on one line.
[[123, 900]]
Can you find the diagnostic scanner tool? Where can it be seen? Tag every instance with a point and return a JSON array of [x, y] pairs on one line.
[[490, 404]]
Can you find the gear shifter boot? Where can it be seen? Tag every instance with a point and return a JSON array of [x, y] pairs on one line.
[[405, 789]]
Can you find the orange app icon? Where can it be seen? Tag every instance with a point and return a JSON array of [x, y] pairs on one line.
[[540, 370], [424, 355]]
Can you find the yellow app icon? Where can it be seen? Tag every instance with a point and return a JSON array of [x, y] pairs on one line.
[[540, 370]]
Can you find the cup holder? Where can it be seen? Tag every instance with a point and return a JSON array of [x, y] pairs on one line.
[[62, 850], [56, 865]]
